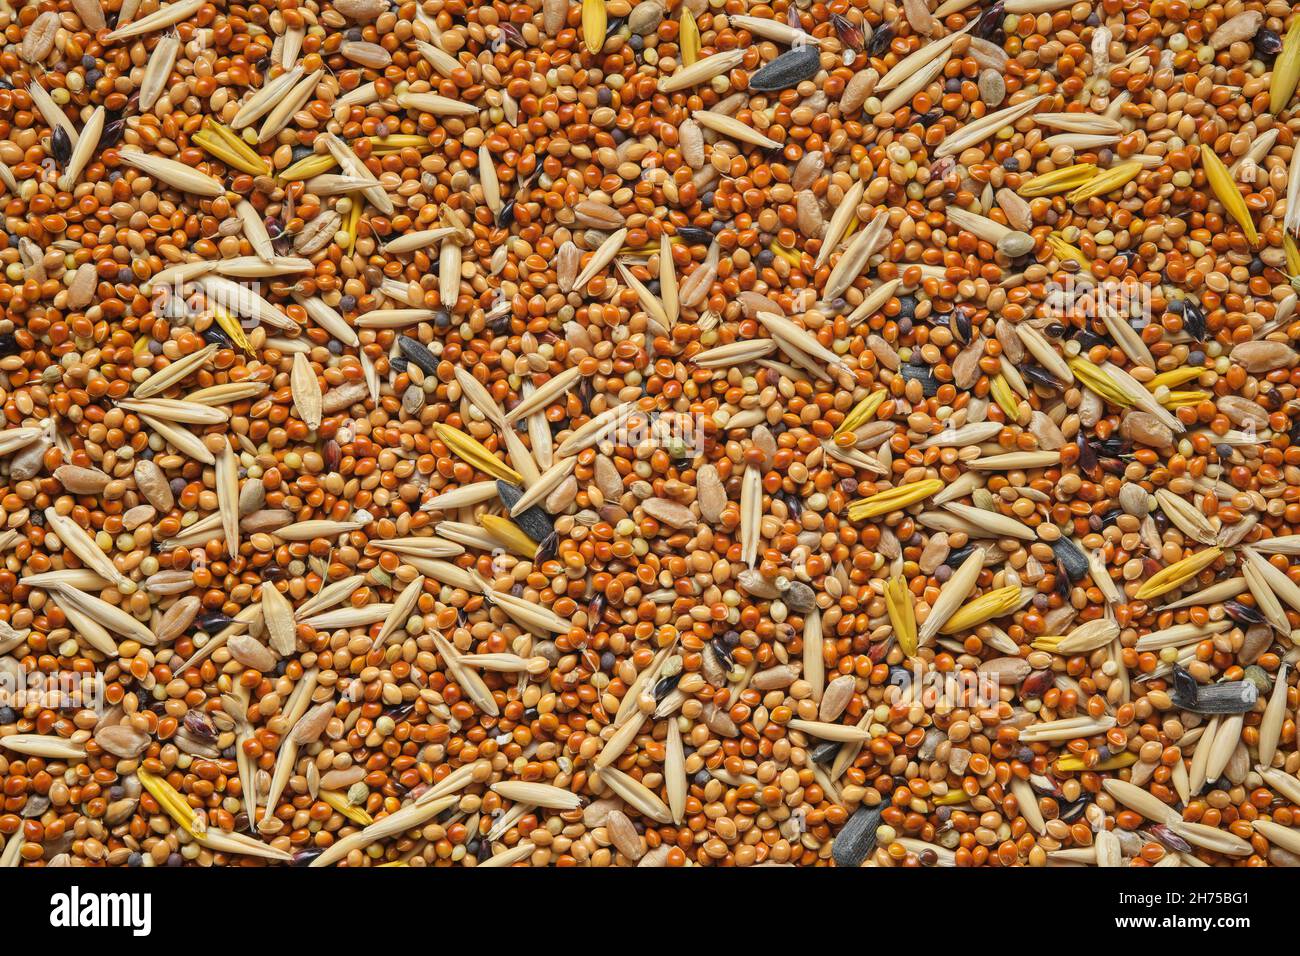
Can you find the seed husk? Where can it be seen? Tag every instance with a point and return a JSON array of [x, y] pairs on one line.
[[470, 450], [227, 470], [894, 499], [171, 173], [855, 258], [826, 731], [538, 794], [169, 14], [87, 143], [109, 615], [1286, 71], [594, 20], [265, 99], [636, 795], [47, 746], [702, 71], [602, 257], [1177, 574], [995, 524], [1270, 727], [1065, 180], [1278, 835], [984, 127], [408, 817], [83, 546], [913, 62], [158, 69], [733, 129], [1225, 190]]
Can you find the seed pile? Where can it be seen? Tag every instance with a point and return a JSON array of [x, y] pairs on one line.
[[591, 433]]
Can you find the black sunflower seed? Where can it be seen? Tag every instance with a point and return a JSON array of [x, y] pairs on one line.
[[1071, 557], [789, 69], [854, 843], [958, 557], [216, 335], [413, 351], [211, 623], [923, 374], [825, 751], [1228, 697], [534, 522], [666, 686]]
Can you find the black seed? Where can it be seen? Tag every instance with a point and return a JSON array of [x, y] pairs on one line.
[[1228, 697], [1070, 812], [694, 235], [507, 214], [61, 146], [1267, 43], [1089, 340], [789, 69], [1040, 376], [958, 557], [216, 335], [794, 504], [1193, 320], [512, 35], [723, 654], [989, 23], [923, 374], [850, 33], [880, 40], [534, 522], [1109, 517], [1087, 455], [1170, 839], [418, 354], [1242, 613], [854, 843], [825, 751], [113, 131], [1072, 558], [548, 547], [211, 623], [666, 686]]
